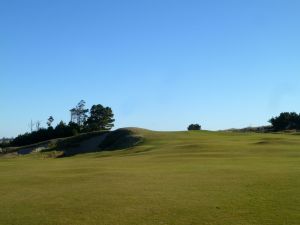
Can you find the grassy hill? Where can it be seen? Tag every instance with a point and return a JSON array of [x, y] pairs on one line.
[[170, 178]]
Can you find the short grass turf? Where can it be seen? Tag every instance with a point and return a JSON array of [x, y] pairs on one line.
[[173, 178]]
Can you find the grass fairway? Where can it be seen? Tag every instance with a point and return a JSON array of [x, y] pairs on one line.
[[173, 178]]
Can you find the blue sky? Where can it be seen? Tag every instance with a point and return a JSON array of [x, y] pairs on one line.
[[159, 64]]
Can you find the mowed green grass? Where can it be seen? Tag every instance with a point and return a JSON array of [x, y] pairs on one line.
[[174, 178]]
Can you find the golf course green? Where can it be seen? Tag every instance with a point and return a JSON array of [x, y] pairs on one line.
[[171, 178]]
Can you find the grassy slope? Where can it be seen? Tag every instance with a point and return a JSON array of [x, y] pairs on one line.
[[172, 178]]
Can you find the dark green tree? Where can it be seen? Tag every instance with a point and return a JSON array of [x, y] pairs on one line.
[[62, 130], [194, 127], [74, 127], [286, 121], [101, 118]]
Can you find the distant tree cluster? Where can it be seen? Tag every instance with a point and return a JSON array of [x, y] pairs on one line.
[[82, 120], [286, 121], [5, 142], [194, 127], [43, 134]]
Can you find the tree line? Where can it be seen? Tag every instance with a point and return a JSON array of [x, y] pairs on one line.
[[102, 118], [82, 120]]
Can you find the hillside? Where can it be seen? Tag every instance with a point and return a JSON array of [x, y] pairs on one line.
[[82, 143], [170, 178]]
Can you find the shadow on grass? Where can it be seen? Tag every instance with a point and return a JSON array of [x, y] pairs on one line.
[[120, 139]]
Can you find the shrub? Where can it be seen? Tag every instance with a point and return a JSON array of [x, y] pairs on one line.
[[194, 127]]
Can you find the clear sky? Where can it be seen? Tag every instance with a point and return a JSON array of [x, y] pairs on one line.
[[159, 64]]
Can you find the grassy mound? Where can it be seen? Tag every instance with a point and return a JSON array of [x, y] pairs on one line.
[[122, 139], [85, 143]]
